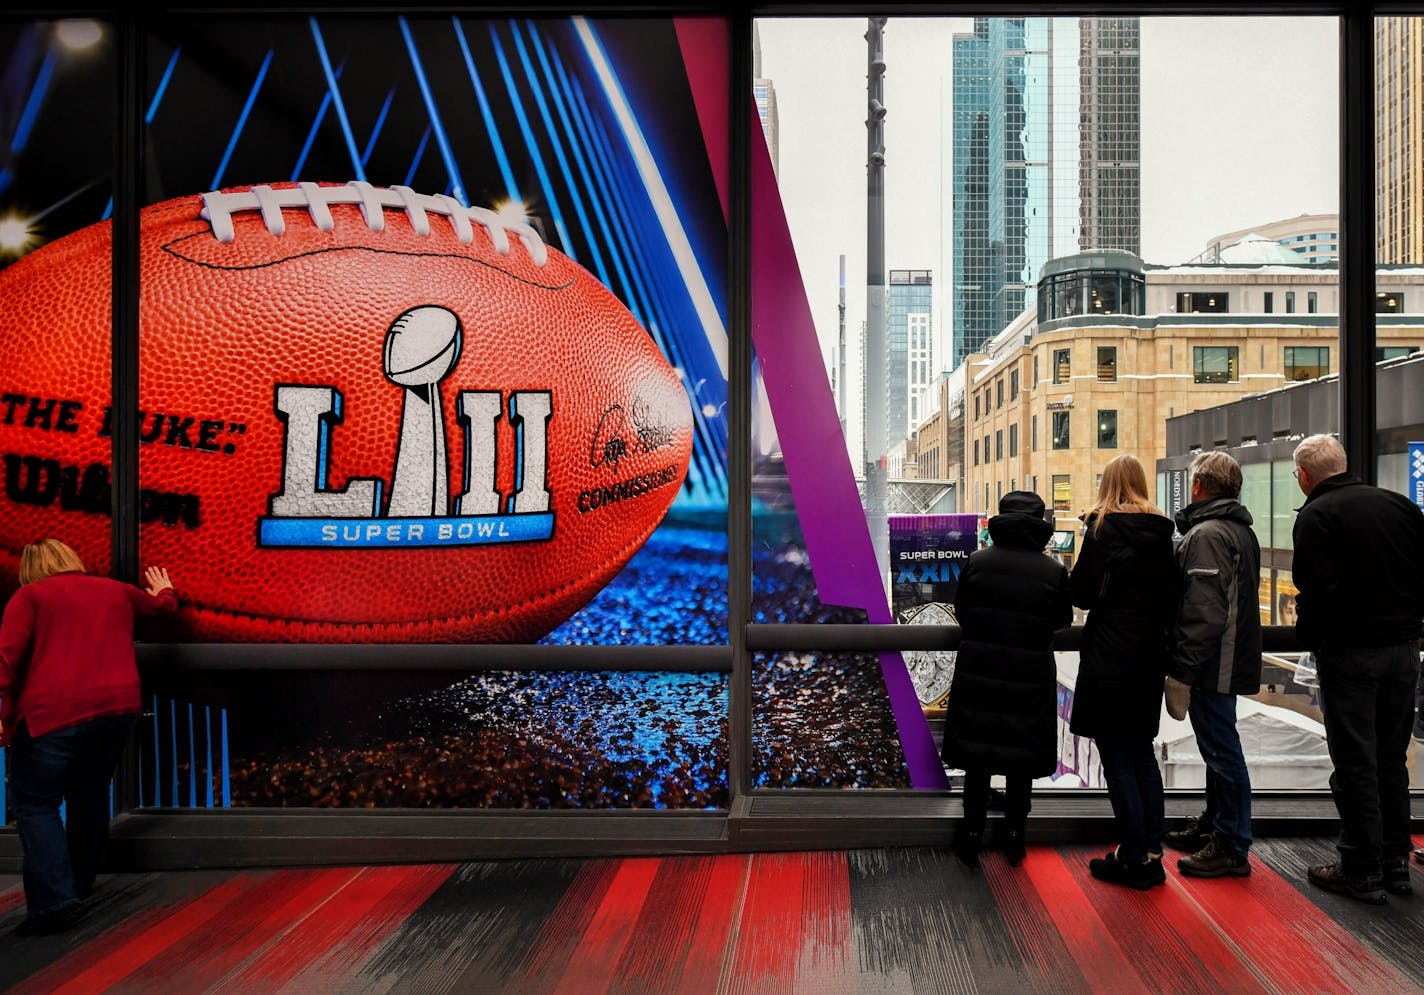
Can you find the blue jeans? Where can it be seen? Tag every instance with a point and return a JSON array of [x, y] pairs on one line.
[[1135, 791], [1228, 784], [71, 766], [1365, 696]]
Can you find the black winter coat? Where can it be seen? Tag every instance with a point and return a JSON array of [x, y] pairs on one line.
[[1216, 641], [1003, 703], [1126, 576], [1359, 566]]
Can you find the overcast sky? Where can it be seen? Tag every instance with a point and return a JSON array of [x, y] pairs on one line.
[[1238, 129]]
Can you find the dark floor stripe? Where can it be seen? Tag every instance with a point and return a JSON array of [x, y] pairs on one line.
[[1371, 947], [472, 933], [924, 923]]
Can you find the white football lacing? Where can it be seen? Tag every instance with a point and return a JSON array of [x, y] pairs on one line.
[[219, 207]]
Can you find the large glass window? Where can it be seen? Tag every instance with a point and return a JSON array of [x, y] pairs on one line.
[[1216, 364], [1062, 365], [1062, 493], [1061, 423]]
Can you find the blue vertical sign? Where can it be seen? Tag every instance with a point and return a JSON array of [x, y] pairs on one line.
[[1416, 473]]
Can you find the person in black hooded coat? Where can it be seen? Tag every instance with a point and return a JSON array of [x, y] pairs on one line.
[[1002, 716], [1126, 576]]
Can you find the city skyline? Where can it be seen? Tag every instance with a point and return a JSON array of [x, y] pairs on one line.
[[1238, 129]]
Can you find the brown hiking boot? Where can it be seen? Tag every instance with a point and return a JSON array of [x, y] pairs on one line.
[[1332, 877]]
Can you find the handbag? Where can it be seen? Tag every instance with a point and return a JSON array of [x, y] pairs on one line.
[[1178, 697]]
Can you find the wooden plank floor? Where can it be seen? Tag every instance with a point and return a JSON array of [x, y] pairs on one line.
[[881, 921]]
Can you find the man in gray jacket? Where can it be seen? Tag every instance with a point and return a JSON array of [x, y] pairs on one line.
[[1218, 653]]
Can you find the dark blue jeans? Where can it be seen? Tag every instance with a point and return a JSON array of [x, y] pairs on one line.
[[73, 766], [1135, 791], [1366, 696], [1228, 784]]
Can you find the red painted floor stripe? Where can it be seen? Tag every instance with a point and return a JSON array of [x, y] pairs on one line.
[[828, 962], [544, 962], [253, 924], [1287, 938], [594, 961], [1165, 934], [1031, 927], [767, 936], [329, 945], [712, 927], [1090, 943], [114, 955]]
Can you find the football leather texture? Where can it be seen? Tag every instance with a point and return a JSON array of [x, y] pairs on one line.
[[366, 415]]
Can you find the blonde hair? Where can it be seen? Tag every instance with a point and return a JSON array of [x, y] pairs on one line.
[[1321, 455], [1123, 488], [45, 558], [1219, 473]]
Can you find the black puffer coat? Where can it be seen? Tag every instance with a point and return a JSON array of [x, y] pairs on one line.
[[1126, 576], [1003, 703]]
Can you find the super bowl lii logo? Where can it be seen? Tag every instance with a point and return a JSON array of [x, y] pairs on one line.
[[422, 346]]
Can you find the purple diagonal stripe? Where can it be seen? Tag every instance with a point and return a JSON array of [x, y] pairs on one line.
[[817, 465]]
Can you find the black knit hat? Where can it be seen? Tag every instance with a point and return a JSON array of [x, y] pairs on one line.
[[1021, 503]]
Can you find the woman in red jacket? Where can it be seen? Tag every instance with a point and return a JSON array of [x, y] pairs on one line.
[[69, 697]]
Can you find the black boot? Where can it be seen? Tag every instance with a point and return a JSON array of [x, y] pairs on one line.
[[1014, 851], [967, 844]]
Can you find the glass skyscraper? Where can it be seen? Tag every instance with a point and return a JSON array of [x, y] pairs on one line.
[[1045, 126], [909, 345]]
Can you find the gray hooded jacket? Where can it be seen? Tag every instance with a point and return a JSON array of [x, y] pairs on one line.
[[1217, 636]]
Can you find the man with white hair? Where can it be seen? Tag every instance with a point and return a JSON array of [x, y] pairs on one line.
[[1358, 564]]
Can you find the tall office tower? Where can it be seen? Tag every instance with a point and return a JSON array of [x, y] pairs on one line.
[[1045, 129], [765, 92], [909, 344], [1399, 140]]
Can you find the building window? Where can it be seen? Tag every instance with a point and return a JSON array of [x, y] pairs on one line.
[[1312, 302], [1062, 365], [976, 452], [1033, 434], [986, 449], [1203, 302], [1270, 305], [1013, 441], [1062, 493], [999, 393], [1013, 384], [976, 407], [1107, 364], [1060, 429], [1216, 364], [1290, 302], [999, 444], [1035, 369], [1307, 362], [1107, 429], [1391, 303], [1394, 352]]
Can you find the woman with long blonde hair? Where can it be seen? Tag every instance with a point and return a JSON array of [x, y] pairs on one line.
[[1126, 577]]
